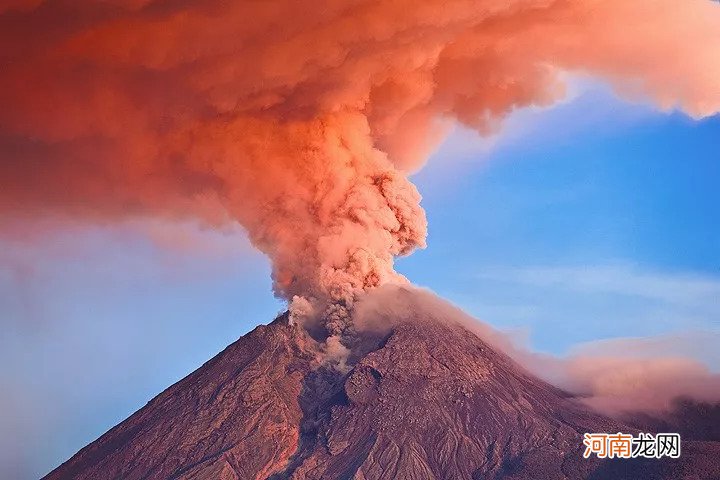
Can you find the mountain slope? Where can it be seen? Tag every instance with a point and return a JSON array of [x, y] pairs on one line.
[[235, 417], [427, 400]]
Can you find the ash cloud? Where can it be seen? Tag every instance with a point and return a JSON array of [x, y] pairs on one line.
[[301, 120], [616, 383]]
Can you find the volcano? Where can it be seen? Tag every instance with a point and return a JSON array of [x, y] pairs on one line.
[[418, 400]]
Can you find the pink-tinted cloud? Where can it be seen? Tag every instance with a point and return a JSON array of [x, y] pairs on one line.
[[623, 384]]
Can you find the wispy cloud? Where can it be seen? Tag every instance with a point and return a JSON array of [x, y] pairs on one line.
[[566, 305], [618, 279]]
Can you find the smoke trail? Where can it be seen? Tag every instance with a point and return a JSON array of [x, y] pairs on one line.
[[630, 379], [301, 120]]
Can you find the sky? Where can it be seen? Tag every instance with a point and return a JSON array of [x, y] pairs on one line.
[[595, 220]]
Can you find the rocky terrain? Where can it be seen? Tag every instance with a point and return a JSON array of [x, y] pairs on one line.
[[427, 400]]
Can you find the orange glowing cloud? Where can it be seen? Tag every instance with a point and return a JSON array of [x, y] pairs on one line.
[[300, 120]]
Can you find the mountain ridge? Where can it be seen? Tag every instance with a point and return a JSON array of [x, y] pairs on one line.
[[422, 400]]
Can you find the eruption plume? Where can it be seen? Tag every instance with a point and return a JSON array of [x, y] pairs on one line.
[[301, 120]]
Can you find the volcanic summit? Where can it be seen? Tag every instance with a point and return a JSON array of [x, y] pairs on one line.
[[419, 399]]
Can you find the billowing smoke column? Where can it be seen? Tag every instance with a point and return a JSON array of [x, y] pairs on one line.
[[328, 207], [300, 119]]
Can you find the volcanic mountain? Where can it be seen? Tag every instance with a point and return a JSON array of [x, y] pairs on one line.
[[416, 400]]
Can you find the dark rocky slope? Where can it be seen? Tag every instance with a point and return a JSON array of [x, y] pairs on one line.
[[426, 401]]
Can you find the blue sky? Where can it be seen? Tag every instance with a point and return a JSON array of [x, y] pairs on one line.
[[596, 219]]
